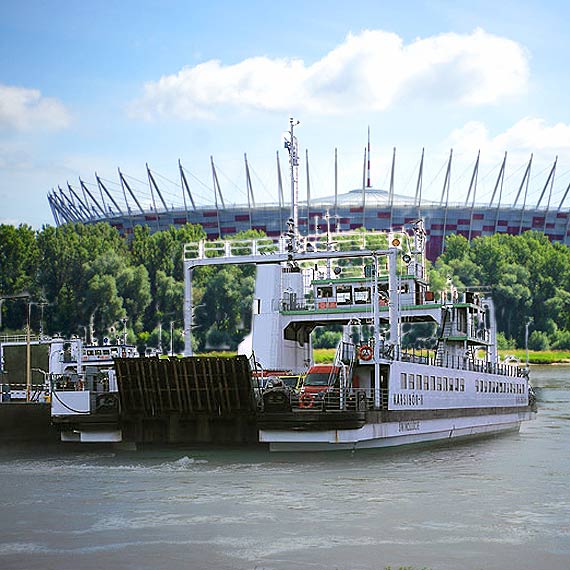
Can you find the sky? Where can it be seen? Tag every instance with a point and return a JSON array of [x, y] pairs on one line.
[[92, 86]]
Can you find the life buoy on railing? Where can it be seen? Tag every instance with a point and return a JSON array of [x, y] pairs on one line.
[[306, 401], [365, 352]]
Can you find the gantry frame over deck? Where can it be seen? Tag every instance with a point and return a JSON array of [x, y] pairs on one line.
[[291, 250]]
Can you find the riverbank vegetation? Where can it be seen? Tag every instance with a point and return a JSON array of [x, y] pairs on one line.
[[84, 278], [324, 355], [528, 278]]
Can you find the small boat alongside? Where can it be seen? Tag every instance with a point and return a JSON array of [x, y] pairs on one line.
[[84, 395]]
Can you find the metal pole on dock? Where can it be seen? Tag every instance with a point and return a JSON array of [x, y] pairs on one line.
[[393, 300], [375, 307], [28, 355], [188, 312]]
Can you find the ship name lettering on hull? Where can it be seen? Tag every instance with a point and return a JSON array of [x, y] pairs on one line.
[[408, 399]]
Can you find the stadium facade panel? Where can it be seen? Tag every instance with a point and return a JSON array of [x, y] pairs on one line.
[[350, 211]]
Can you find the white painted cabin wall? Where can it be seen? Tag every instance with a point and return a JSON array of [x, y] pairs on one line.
[[469, 398], [272, 351]]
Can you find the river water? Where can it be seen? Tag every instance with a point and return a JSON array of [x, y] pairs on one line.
[[496, 503]]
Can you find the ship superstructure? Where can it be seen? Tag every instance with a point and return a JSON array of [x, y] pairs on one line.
[[377, 393]]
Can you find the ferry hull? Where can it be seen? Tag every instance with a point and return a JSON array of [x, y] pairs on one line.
[[392, 434]]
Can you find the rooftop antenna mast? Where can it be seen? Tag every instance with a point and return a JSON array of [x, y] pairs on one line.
[[185, 185], [364, 191], [368, 185], [335, 182], [153, 184], [250, 196], [124, 184], [308, 192], [419, 185], [391, 191], [445, 194], [93, 200], [217, 190]]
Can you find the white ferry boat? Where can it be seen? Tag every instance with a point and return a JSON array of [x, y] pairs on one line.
[[84, 395], [375, 394]]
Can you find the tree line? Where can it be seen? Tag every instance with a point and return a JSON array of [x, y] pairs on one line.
[[528, 278], [87, 278], [84, 278]]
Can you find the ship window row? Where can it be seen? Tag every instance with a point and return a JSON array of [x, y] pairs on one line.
[[345, 295], [101, 351], [409, 381], [495, 387], [354, 295], [108, 352]]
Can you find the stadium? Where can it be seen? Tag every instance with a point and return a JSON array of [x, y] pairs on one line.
[[538, 204]]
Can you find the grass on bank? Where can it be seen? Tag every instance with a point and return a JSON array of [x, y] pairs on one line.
[[540, 356], [323, 355]]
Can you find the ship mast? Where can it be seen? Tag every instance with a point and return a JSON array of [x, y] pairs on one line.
[[293, 149]]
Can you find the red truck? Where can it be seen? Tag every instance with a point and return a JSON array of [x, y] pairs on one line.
[[322, 382]]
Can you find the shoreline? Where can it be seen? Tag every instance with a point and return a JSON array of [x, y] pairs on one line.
[[559, 357]]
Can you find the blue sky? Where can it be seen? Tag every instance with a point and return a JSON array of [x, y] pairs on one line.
[[88, 87]]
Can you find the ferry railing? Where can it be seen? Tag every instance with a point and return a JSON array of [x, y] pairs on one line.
[[18, 393], [232, 248], [456, 362], [18, 338], [288, 304], [330, 400], [353, 400], [345, 241]]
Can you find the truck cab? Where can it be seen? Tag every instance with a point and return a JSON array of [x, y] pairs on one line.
[[322, 381]]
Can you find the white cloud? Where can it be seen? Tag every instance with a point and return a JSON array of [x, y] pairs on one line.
[[371, 70], [26, 109], [530, 134]]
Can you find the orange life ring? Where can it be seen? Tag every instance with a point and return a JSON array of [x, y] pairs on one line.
[[306, 401], [365, 352]]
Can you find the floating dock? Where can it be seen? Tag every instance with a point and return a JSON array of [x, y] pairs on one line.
[[193, 400]]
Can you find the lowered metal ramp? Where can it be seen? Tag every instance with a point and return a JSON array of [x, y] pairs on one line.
[[192, 399]]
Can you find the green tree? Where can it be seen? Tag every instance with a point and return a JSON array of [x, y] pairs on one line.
[[65, 252], [103, 302], [133, 285], [19, 257], [223, 297], [115, 290], [527, 275], [538, 340], [162, 254]]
